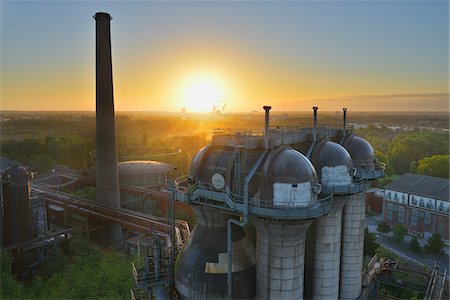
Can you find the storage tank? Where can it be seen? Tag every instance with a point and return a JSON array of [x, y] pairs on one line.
[[17, 224], [290, 182], [201, 267], [353, 218], [334, 167], [142, 173]]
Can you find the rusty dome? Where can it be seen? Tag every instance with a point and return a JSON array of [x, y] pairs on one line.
[[333, 163], [360, 150], [290, 179]]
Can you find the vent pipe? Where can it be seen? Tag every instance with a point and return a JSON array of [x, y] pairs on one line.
[[107, 178], [315, 108], [344, 125], [308, 155], [266, 126]]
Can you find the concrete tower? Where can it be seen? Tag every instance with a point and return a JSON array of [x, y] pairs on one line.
[[107, 178], [353, 219], [334, 167]]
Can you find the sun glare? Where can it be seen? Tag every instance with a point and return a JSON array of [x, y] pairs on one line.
[[202, 93]]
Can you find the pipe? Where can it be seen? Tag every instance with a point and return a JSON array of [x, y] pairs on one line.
[[315, 108], [344, 125], [242, 224], [266, 126]]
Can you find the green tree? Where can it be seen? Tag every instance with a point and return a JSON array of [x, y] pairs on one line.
[[413, 167], [436, 165], [414, 244], [370, 244], [399, 233], [413, 146], [435, 244], [10, 288], [383, 227]]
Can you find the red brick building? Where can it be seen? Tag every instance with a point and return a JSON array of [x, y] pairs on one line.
[[420, 203]]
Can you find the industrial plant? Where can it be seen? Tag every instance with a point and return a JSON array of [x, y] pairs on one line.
[[302, 190]]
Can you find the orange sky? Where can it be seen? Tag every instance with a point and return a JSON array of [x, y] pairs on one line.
[[366, 56]]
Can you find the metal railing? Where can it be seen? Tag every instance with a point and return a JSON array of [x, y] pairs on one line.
[[204, 193]]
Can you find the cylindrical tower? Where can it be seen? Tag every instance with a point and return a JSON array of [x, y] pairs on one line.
[[201, 267], [107, 178], [290, 182], [334, 166], [17, 224], [353, 220]]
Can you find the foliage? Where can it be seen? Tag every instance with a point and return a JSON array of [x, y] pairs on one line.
[[413, 146], [435, 244], [436, 165], [399, 233], [384, 158], [370, 244], [10, 288], [383, 227], [414, 245], [90, 275]]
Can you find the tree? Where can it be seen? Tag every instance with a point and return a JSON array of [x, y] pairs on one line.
[[435, 244], [370, 244], [436, 165], [383, 227], [413, 146], [399, 233], [414, 245]]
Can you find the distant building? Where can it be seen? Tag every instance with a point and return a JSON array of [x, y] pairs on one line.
[[374, 200], [420, 203]]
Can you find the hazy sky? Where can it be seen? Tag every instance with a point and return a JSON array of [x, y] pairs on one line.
[[366, 55]]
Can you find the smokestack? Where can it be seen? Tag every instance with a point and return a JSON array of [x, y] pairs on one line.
[[344, 125], [107, 178], [266, 125]]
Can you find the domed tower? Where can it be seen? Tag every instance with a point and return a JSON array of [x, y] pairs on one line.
[[290, 183], [362, 154], [201, 267], [353, 218], [334, 168]]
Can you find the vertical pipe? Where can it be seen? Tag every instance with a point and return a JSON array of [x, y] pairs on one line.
[[315, 108], [107, 179], [344, 125], [313, 144], [266, 126]]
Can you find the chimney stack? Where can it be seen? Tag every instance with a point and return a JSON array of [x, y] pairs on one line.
[[107, 177]]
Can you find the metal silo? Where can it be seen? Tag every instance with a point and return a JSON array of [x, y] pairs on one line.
[[17, 224]]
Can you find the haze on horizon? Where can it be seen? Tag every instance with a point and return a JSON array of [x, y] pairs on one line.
[[367, 56]]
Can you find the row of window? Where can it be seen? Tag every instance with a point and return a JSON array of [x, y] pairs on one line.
[[415, 214]]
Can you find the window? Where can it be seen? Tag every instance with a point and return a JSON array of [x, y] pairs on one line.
[[414, 218], [427, 220], [401, 214], [389, 212]]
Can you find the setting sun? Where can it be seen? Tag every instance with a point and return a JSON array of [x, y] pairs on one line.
[[201, 93]]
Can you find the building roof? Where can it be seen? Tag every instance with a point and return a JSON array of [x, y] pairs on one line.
[[421, 185], [142, 167]]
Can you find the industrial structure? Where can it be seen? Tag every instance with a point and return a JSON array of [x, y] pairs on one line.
[[302, 188], [107, 177]]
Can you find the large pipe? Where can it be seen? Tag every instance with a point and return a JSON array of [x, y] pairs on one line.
[[107, 178], [266, 126]]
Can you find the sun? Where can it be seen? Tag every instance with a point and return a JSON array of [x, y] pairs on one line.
[[201, 93]]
